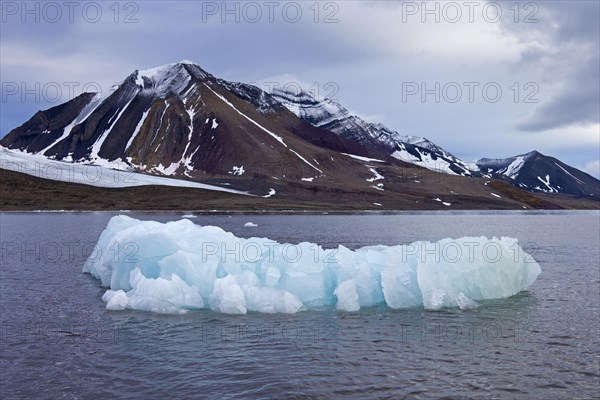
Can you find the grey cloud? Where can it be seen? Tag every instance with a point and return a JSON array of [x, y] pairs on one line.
[[578, 103], [570, 38], [368, 72]]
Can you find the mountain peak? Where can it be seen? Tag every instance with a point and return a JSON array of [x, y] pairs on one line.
[[169, 78], [168, 66], [531, 154]]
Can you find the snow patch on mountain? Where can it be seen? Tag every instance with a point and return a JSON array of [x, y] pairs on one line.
[[271, 193], [109, 174], [546, 182], [163, 80], [568, 173], [98, 144], [137, 129], [360, 158], [509, 167], [83, 115], [239, 171], [377, 176], [305, 160], [427, 160], [276, 137]]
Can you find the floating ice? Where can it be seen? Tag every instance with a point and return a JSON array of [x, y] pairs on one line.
[[250, 225], [179, 266]]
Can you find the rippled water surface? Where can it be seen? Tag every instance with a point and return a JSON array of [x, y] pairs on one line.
[[58, 341]]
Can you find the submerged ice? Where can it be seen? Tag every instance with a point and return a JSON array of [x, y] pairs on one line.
[[179, 266]]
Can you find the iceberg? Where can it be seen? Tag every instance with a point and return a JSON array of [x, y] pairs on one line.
[[179, 266]]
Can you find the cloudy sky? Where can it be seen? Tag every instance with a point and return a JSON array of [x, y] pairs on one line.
[[481, 79]]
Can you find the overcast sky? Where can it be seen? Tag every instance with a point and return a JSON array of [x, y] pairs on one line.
[[481, 79]]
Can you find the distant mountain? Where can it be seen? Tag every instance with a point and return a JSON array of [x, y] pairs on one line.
[[539, 173], [179, 121]]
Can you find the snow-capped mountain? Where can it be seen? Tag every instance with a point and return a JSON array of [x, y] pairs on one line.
[[332, 116], [179, 121], [176, 119], [539, 173]]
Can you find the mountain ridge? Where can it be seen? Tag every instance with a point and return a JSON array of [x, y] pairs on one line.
[[423, 152], [180, 121]]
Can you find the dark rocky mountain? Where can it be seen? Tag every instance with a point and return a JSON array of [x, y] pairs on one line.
[[539, 173], [180, 121]]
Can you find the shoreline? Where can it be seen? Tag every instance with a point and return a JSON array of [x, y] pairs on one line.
[[24, 193], [309, 212]]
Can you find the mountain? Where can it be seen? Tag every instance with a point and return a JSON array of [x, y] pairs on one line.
[[539, 173], [332, 116], [178, 121], [532, 171]]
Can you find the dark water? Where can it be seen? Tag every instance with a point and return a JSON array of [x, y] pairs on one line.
[[58, 341]]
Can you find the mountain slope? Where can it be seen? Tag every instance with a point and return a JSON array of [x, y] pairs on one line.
[[332, 116]]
